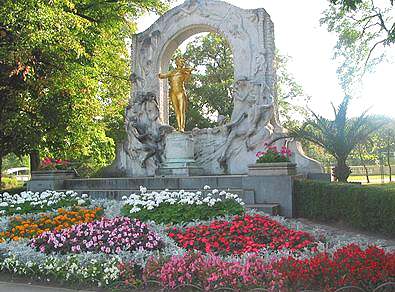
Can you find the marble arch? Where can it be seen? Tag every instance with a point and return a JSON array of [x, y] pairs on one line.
[[250, 34], [228, 148]]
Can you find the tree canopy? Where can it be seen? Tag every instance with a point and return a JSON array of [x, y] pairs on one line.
[[64, 76], [339, 136], [210, 88], [365, 28]]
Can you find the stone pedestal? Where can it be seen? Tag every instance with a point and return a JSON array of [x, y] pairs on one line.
[[49, 180], [271, 169], [180, 157]]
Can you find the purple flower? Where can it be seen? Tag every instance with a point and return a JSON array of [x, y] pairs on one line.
[[106, 235]]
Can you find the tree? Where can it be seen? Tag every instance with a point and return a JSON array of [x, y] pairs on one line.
[[211, 85], [362, 27], [366, 154], [386, 142], [64, 76], [209, 89], [339, 137], [291, 97], [12, 161]]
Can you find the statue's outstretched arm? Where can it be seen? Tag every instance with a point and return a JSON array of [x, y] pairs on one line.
[[164, 75]]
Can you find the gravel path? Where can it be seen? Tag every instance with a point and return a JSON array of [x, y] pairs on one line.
[[343, 230]]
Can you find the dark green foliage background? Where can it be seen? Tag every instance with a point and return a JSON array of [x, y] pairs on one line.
[[369, 208]]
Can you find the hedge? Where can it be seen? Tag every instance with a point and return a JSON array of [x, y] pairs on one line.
[[364, 207]]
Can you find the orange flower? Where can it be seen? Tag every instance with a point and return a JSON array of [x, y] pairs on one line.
[[28, 228]]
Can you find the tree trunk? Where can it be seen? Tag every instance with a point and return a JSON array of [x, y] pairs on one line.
[[389, 163], [364, 167], [34, 160], [1, 166], [341, 171]]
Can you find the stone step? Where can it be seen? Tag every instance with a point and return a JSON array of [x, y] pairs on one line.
[[158, 183], [248, 196], [272, 208]]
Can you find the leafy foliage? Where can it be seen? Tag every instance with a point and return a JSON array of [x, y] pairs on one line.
[[210, 87], [182, 213], [362, 27], [9, 183], [365, 207], [291, 97], [11, 161], [340, 136], [64, 76]]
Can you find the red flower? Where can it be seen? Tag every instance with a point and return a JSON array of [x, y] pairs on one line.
[[241, 235]]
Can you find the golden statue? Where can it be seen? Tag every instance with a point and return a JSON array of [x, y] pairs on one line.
[[179, 98]]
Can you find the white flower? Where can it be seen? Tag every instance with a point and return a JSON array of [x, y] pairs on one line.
[[81, 202]]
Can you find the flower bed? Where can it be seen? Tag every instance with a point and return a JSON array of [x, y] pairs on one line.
[[239, 252], [242, 234], [181, 206], [107, 236], [29, 202], [70, 269], [349, 265], [20, 227]]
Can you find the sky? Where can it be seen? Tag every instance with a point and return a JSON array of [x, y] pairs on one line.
[[299, 35]]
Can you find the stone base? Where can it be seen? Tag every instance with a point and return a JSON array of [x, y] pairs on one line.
[[49, 180], [179, 154], [270, 169], [188, 169]]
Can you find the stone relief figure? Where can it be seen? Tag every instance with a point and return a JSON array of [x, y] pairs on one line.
[[145, 133], [260, 66], [192, 6], [254, 115]]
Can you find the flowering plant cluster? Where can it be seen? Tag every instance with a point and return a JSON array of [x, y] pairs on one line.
[[72, 269], [51, 164], [19, 227], [246, 251], [29, 202], [181, 206], [273, 155], [209, 272], [349, 265], [242, 234], [107, 236]]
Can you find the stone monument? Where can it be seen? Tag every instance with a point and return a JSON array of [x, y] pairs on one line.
[[153, 147]]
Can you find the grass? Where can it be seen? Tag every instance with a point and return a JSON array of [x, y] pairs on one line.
[[374, 179]]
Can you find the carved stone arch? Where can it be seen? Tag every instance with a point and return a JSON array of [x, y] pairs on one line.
[[227, 148], [249, 33]]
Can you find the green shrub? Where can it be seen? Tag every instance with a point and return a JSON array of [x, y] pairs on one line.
[[9, 183], [181, 213], [365, 207]]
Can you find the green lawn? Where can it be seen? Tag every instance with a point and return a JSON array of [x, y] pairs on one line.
[[374, 179]]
